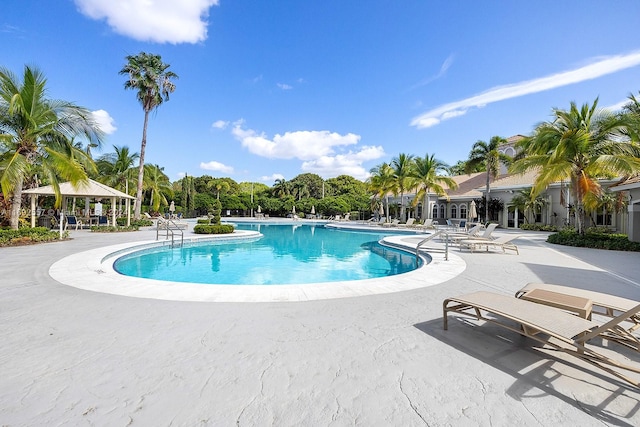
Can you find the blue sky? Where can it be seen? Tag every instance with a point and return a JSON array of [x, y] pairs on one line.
[[272, 89]]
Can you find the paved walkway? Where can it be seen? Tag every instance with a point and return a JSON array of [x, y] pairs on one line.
[[71, 356]]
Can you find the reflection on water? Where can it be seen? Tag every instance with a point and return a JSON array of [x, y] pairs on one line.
[[285, 255]]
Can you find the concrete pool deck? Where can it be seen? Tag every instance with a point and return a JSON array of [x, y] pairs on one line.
[[71, 356]]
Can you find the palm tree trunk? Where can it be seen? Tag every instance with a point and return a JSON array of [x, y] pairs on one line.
[[16, 202], [143, 146], [425, 205], [487, 198]]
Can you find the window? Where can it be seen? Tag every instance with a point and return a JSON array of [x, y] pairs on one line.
[[434, 211], [442, 212], [454, 211], [463, 211], [603, 217]]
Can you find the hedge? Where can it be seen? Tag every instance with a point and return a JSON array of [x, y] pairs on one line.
[[213, 229], [595, 240]]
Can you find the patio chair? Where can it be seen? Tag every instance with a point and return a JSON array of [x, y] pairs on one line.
[[455, 237], [72, 221], [564, 331], [427, 223], [102, 220], [394, 223], [503, 243], [409, 223], [604, 305]]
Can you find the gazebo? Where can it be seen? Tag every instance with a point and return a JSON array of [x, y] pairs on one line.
[[88, 189]]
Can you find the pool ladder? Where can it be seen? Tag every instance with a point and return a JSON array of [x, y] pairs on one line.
[[431, 237], [169, 226]]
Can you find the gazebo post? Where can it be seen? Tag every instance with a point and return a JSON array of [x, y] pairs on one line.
[[113, 211], [33, 210], [127, 203]]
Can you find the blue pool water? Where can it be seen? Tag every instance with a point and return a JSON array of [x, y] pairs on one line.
[[286, 254]]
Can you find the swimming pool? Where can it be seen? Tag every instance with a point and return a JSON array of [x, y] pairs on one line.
[[286, 254]]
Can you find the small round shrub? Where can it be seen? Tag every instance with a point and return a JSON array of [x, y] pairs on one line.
[[204, 221], [213, 229]]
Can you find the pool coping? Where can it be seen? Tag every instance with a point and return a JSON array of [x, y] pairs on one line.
[[93, 270]]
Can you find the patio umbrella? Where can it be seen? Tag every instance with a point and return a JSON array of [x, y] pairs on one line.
[[172, 207], [259, 209], [293, 210], [381, 210], [313, 210], [472, 210]]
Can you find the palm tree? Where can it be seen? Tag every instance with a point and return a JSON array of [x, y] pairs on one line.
[[488, 158], [528, 204], [426, 176], [402, 167], [281, 188], [38, 132], [150, 77], [382, 182], [158, 185], [116, 169], [579, 145], [219, 185]]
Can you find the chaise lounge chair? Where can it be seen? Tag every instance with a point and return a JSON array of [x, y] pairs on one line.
[[503, 243], [603, 305], [533, 320], [455, 237]]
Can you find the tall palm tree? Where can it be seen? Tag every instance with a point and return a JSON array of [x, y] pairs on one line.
[[382, 182], [580, 145], [426, 175], [158, 185], [151, 78], [38, 132], [486, 156], [402, 167]]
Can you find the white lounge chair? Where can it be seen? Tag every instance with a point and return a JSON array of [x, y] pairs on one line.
[[537, 321], [602, 304], [503, 243]]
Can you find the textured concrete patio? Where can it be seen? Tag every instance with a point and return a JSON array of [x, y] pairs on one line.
[[74, 357]]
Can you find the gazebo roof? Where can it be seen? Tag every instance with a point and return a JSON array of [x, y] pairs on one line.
[[90, 188]]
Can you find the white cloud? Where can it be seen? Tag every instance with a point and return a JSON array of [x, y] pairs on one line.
[[216, 166], [272, 178], [617, 106], [160, 21], [105, 121], [598, 68], [219, 124], [344, 164], [322, 152], [181, 175], [284, 86], [303, 145], [443, 70]]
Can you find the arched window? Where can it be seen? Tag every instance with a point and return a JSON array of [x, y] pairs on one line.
[[463, 210], [434, 211], [442, 212], [454, 211]]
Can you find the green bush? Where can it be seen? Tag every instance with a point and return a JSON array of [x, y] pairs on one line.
[[595, 240], [25, 236], [206, 221], [213, 229], [142, 222], [538, 227], [112, 229]]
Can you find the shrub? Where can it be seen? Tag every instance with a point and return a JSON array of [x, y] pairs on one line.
[[204, 221], [596, 240], [538, 227], [112, 229], [142, 222], [24, 236], [213, 229]]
